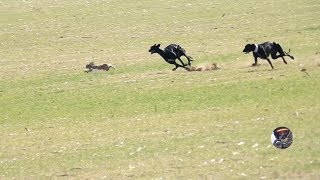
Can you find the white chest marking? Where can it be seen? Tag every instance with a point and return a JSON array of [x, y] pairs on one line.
[[256, 48]]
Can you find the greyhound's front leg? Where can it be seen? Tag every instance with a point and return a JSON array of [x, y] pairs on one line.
[[175, 68], [255, 61]]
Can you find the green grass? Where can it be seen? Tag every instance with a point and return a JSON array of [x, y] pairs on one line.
[[142, 120]]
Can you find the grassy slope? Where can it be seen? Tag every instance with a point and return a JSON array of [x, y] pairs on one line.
[[143, 120]]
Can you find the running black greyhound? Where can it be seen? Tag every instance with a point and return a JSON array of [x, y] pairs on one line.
[[263, 51], [171, 53]]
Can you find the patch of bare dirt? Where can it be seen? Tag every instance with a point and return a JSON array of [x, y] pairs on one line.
[[205, 67]]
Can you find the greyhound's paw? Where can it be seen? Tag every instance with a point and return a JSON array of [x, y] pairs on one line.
[[190, 58]]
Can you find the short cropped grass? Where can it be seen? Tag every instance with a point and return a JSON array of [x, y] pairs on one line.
[[142, 120]]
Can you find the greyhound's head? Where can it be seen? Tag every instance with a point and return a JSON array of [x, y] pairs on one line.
[[154, 48], [248, 48], [90, 65]]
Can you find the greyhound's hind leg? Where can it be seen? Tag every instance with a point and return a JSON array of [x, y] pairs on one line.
[[189, 59], [284, 60], [277, 56], [270, 63], [181, 62]]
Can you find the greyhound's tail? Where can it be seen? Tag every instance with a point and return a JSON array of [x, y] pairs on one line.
[[287, 53]]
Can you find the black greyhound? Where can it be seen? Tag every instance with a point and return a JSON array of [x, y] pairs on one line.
[[263, 51], [171, 53]]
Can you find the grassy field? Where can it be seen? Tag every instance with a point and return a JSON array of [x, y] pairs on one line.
[[142, 120]]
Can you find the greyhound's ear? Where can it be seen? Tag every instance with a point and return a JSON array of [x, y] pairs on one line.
[[158, 45]]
